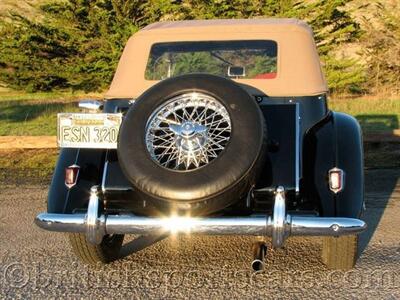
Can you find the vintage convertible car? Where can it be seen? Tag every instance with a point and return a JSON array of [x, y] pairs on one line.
[[211, 127]]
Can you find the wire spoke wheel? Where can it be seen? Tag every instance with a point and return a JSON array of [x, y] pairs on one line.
[[188, 132], [197, 151]]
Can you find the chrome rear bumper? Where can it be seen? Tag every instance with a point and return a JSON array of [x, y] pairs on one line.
[[278, 226]]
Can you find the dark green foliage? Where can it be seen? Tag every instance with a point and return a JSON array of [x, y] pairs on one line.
[[76, 44], [201, 62]]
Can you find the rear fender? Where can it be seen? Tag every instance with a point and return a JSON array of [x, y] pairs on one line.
[[64, 200], [336, 141]]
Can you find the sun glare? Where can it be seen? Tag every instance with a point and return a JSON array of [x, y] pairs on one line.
[[175, 224]]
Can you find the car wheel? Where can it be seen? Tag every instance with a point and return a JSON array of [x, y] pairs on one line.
[[340, 253], [193, 143], [107, 251]]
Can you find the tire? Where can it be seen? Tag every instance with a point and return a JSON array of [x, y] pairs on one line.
[[340, 253], [103, 253], [212, 187]]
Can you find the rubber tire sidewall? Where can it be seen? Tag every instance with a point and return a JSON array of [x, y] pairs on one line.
[[226, 177]]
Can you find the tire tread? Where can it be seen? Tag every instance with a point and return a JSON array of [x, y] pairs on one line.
[[94, 254]]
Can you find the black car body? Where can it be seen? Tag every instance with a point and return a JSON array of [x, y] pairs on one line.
[[240, 107]]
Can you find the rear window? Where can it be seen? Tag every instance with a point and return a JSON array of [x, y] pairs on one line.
[[253, 59]]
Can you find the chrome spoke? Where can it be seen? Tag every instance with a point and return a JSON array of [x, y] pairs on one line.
[[188, 132]]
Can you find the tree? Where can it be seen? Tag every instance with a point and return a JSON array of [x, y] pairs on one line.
[[77, 43], [333, 27], [382, 48]]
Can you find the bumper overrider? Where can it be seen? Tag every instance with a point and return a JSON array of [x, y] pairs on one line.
[[279, 226]]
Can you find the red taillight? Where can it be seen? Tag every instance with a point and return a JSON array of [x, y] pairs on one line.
[[336, 180], [71, 175]]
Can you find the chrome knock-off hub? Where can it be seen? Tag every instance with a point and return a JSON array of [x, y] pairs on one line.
[[190, 137]]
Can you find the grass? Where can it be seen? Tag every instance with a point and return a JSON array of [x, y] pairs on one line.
[[35, 114], [28, 159], [374, 114], [30, 118], [62, 96], [34, 166]]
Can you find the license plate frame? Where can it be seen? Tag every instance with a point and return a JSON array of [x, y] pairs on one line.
[[80, 130]]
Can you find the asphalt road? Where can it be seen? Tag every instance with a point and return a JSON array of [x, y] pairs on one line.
[[39, 264]]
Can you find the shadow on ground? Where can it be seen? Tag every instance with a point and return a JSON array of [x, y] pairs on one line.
[[378, 122], [379, 188]]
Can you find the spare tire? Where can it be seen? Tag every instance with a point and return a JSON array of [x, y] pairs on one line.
[[193, 143]]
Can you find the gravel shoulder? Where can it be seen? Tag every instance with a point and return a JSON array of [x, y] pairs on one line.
[[39, 264]]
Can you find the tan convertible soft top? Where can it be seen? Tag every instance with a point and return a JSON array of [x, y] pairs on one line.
[[299, 72]]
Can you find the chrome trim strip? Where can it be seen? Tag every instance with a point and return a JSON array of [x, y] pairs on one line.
[[298, 150], [105, 189], [103, 180], [91, 105]]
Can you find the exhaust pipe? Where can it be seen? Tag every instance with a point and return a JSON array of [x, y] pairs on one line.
[[259, 252]]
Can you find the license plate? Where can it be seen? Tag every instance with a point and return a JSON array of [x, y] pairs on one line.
[[88, 130]]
